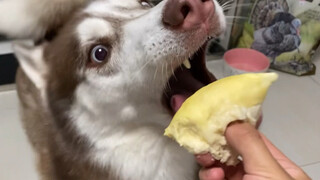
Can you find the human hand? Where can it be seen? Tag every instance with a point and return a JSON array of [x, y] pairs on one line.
[[261, 159]]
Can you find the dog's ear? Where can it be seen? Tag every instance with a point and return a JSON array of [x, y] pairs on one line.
[[34, 19], [31, 61]]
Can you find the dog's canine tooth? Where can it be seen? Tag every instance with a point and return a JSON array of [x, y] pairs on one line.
[[187, 64]]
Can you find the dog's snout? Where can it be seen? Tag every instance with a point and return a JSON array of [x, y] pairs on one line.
[[187, 13]]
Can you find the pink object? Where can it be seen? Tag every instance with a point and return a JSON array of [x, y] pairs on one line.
[[243, 60]]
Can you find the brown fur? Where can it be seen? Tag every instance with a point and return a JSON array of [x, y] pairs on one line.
[[55, 142], [55, 161]]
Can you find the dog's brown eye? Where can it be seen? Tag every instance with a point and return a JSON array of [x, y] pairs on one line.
[[99, 54]]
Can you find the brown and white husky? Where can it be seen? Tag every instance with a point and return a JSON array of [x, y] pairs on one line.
[[100, 80]]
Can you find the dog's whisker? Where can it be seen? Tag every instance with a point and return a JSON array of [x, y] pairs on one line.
[[232, 6], [181, 67], [167, 72], [236, 17], [222, 1], [226, 3], [173, 73], [137, 72], [169, 86], [162, 70], [162, 73], [227, 8], [155, 74], [236, 6]]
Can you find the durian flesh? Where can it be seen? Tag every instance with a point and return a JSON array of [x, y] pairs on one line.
[[200, 123]]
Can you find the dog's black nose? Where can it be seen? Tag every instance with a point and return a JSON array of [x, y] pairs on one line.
[[187, 12]]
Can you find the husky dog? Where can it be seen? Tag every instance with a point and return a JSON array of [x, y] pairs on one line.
[[101, 80]]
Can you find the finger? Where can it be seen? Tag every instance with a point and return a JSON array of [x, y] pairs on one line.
[[246, 140], [274, 150], [235, 173], [232, 172], [205, 160], [259, 122], [215, 173]]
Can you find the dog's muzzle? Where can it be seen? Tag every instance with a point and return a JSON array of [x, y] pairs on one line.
[[187, 15]]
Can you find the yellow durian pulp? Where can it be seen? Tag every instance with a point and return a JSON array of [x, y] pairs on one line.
[[200, 123]]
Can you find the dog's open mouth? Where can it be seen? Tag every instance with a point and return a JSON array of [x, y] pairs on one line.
[[186, 81]]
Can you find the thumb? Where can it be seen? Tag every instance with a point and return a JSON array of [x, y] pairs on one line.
[[257, 159]]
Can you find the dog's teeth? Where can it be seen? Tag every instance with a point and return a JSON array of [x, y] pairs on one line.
[[187, 64]]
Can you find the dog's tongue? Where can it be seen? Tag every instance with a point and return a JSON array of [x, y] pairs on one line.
[[176, 101]]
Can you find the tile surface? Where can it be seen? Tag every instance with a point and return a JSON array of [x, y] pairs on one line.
[[291, 118], [217, 68], [16, 157], [291, 115], [313, 171], [8, 100], [8, 87]]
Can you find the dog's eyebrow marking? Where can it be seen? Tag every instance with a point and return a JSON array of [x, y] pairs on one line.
[[91, 29]]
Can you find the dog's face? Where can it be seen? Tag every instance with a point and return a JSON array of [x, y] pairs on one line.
[[109, 70], [117, 53]]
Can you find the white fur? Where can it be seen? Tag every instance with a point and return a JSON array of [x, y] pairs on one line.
[[219, 11], [135, 137], [130, 119], [31, 61], [128, 112], [91, 29], [136, 140], [112, 8]]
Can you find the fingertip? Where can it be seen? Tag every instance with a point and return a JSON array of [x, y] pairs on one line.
[[240, 135], [216, 173], [247, 141], [205, 160]]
